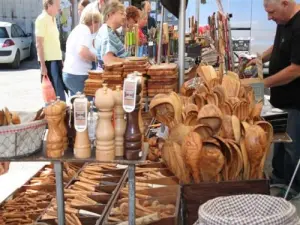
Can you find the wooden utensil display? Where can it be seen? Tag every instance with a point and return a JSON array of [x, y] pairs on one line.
[[105, 134], [55, 144], [93, 83], [113, 74], [133, 137], [163, 79], [166, 41], [120, 123], [62, 124], [137, 39]]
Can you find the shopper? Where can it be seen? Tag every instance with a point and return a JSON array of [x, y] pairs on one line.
[[82, 4], [132, 16], [96, 5], [48, 46], [146, 7], [284, 82], [79, 56], [108, 44], [142, 23]]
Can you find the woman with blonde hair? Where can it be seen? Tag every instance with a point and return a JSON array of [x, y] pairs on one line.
[[142, 23], [108, 44], [79, 54]]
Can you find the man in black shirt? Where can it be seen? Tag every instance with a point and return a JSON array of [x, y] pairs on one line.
[[146, 6], [284, 82]]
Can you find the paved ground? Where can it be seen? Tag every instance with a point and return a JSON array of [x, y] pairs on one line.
[[20, 90]]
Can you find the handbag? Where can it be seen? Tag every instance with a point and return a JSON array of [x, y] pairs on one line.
[[48, 90]]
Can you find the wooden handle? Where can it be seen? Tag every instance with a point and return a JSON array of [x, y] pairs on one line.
[[84, 186]]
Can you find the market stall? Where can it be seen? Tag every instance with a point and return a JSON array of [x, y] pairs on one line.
[[210, 134]]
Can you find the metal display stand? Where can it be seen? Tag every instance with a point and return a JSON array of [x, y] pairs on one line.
[[69, 157]]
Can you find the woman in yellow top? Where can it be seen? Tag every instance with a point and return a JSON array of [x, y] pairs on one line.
[[48, 46]]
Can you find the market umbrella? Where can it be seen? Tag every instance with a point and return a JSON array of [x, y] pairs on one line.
[[173, 6]]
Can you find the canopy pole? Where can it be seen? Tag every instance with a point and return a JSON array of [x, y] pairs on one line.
[[198, 14], [75, 17], [160, 35], [181, 39]]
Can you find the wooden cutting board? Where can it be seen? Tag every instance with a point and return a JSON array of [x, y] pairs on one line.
[[95, 72], [163, 67], [113, 65], [136, 59]]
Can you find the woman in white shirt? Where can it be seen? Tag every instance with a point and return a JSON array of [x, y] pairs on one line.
[[79, 52]]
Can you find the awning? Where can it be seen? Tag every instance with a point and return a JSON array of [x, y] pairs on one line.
[[173, 6]]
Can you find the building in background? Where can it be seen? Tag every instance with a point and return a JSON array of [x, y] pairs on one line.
[[25, 12]]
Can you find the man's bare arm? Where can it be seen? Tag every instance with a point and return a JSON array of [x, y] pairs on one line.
[[283, 77], [267, 54], [40, 52], [265, 57]]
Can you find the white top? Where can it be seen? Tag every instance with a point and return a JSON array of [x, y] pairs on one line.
[[74, 64]]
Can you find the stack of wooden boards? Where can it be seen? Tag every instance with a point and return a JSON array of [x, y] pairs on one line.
[[138, 64], [93, 83], [163, 79], [113, 74]]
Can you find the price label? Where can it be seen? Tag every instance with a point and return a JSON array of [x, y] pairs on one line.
[[129, 93], [151, 43], [80, 114]]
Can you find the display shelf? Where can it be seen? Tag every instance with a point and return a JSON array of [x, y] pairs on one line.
[[282, 138], [41, 156], [69, 157]]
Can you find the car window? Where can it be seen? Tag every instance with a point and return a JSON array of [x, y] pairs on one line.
[[14, 32], [3, 32], [20, 31]]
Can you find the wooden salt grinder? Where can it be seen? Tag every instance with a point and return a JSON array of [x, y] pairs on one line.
[[133, 137], [82, 146], [105, 135], [62, 124], [55, 145], [120, 123]]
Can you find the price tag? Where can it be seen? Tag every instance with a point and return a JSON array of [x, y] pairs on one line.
[[129, 93], [176, 27], [80, 114], [151, 43]]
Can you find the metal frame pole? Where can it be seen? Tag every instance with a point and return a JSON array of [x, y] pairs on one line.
[[160, 35], [181, 40], [131, 181], [198, 14], [75, 14], [58, 168]]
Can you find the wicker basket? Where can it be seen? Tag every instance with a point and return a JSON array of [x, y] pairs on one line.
[[248, 210], [21, 140]]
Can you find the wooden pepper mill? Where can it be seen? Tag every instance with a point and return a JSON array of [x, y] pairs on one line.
[[62, 124], [120, 123], [105, 134], [82, 147], [55, 145], [131, 105]]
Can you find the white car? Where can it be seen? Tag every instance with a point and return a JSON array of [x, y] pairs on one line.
[[15, 45]]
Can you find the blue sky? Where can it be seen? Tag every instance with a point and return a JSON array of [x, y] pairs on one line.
[[263, 31]]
